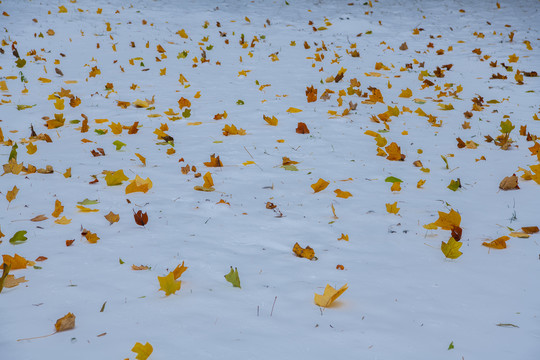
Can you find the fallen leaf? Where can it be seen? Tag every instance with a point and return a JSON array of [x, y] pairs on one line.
[[85, 209], [139, 267], [293, 110], [509, 183], [91, 237], [451, 248], [499, 243], [39, 218], [169, 284], [139, 185], [329, 296], [392, 208], [307, 253], [12, 194], [530, 229], [141, 218], [407, 93], [18, 238], [66, 322], [112, 217], [342, 194], [320, 185], [63, 221], [233, 277], [115, 178], [142, 158], [11, 281], [179, 270], [302, 128], [16, 262], [273, 121], [214, 161], [311, 94], [445, 221], [394, 152], [344, 237]]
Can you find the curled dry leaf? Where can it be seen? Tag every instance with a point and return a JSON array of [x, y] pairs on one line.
[[509, 183], [329, 296], [141, 218], [302, 128], [66, 322], [307, 253], [112, 217]]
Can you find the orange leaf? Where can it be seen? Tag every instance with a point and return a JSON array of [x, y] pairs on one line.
[[302, 128], [184, 103], [66, 322], [214, 161], [140, 218], [139, 185], [499, 243], [112, 217], [311, 94], [179, 270], [273, 121], [307, 253], [58, 208], [319, 185], [342, 194], [344, 237], [16, 261], [394, 152]]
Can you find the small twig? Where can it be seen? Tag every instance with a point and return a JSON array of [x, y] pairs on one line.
[[272, 311], [37, 337]]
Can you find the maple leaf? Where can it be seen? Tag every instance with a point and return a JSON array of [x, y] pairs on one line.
[[182, 103], [307, 253], [214, 161], [311, 94], [302, 128], [139, 185], [392, 208], [499, 243], [12, 194], [407, 93], [63, 221], [513, 58], [342, 194], [273, 121], [233, 277], [115, 178], [329, 296], [451, 248], [344, 237], [140, 218], [320, 185], [66, 322], [58, 208], [232, 130], [11, 281], [169, 284], [509, 183], [16, 262], [112, 217], [91, 237], [31, 149], [445, 221]]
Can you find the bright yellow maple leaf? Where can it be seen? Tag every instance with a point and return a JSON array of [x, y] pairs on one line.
[[329, 296], [451, 248], [513, 58], [139, 185], [320, 185], [445, 221], [115, 178], [142, 351], [169, 284]]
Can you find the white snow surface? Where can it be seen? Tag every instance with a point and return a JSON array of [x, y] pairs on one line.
[[405, 299]]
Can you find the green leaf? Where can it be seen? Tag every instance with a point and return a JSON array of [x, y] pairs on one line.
[[454, 185], [233, 277], [186, 113], [392, 179], [22, 107], [74, 121], [120, 261], [103, 307], [445, 161], [119, 145], [289, 167], [493, 101], [5, 273], [507, 127], [88, 202], [508, 325], [209, 47], [13, 153], [18, 238], [240, 102], [20, 62], [451, 346], [99, 131]]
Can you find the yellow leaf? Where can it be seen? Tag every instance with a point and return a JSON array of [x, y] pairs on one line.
[[320, 185], [16, 262], [112, 217], [407, 93], [273, 121], [63, 221], [214, 161], [499, 243], [169, 284], [3, 85], [513, 58], [420, 183], [139, 185], [249, 162], [344, 237], [293, 110], [446, 107], [85, 209], [307, 253], [66, 322], [140, 103], [446, 221], [394, 152], [182, 79], [91, 237], [329, 296], [342, 194], [142, 158], [182, 34], [142, 351], [67, 174], [115, 178], [31, 148], [58, 208], [451, 248], [243, 72], [208, 183], [528, 44], [396, 186], [392, 208], [44, 80], [116, 128], [59, 104], [12, 194]]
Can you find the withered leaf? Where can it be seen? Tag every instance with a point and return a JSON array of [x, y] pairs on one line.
[[509, 183], [530, 229], [66, 322], [112, 217], [302, 128], [140, 218], [39, 218], [403, 46]]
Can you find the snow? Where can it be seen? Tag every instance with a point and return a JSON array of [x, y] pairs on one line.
[[405, 299]]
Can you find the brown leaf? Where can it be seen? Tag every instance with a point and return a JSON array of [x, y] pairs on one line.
[[457, 232], [41, 258], [311, 94], [69, 242], [302, 128], [460, 143], [112, 217], [141, 267], [418, 163], [134, 128], [141, 218], [403, 46], [39, 218], [58, 71], [270, 205], [65, 323], [509, 183], [214, 161], [530, 229]]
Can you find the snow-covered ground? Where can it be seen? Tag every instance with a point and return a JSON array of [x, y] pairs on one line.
[[405, 299]]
